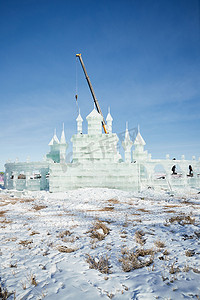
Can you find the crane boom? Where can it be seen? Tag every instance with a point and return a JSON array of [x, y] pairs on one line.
[[92, 91]]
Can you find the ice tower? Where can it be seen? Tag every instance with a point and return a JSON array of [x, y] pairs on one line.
[[127, 145], [139, 154], [57, 149]]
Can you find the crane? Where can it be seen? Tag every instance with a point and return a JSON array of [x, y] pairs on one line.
[[92, 91]]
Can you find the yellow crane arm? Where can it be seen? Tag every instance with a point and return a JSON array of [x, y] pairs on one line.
[[92, 91]]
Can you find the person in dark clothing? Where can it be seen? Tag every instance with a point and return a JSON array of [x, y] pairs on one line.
[[174, 170], [190, 171]]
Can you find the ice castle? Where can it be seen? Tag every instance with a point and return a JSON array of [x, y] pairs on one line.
[[97, 162]]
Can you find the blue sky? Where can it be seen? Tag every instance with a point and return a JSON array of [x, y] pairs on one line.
[[142, 56]]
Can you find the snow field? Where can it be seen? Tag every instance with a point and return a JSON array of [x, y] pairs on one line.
[[143, 245]]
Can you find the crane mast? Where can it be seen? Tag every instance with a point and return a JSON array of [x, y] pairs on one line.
[[92, 91]]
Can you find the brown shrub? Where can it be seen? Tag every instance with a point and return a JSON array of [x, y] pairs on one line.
[[144, 210], [95, 234], [25, 243], [139, 237], [144, 252], [113, 201], [26, 200], [170, 211], [132, 259], [182, 219], [107, 208], [195, 270], [173, 269], [4, 294], [2, 213], [33, 280], [39, 207], [186, 268], [99, 263], [65, 249], [166, 252], [34, 232], [159, 244], [189, 252], [172, 206]]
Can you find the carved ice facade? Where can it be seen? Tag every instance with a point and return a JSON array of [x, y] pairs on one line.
[[98, 163]]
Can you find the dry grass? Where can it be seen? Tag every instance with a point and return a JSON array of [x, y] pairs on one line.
[[189, 253], [13, 265], [144, 252], [5, 221], [135, 214], [113, 201], [137, 221], [166, 252], [26, 200], [70, 239], [197, 233], [99, 231], [65, 249], [123, 236], [33, 280], [126, 223], [67, 212], [64, 234], [34, 232], [159, 244], [39, 207], [171, 206], [182, 220], [186, 268], [2, 213], [99, 263], [13, 239], [173, 269], [107, 208], [187, 202], [23, 283], [25, 243], [4, 294], [195, 270], [139, 237], [170, 211], [132, 259], [144, 210]]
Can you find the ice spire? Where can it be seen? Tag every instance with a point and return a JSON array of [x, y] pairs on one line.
[[127, 141], [79, 121], [139, 139], [62, 139], [127, 144], [54, 139], [109, 120]]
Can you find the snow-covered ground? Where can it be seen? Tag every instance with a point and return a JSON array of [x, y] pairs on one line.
[[143, 245]]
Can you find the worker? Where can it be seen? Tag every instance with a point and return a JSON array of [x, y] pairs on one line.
[[174, 170], [190, 171]]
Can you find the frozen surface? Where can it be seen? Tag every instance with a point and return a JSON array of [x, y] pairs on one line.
[[33, 226]]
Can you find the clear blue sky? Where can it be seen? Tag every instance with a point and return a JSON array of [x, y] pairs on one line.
[[142, 56]]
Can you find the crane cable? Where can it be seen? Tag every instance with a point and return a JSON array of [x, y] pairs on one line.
[[76, 95]]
